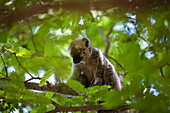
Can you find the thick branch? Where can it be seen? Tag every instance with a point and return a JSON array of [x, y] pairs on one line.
[[26, 13], [78, 108], [10, 17], [59, 108], [85, 108], [58, 88]]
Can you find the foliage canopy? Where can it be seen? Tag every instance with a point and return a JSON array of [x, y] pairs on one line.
[[34, 36]]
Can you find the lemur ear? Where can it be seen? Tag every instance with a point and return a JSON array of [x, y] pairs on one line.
[[86, 42]]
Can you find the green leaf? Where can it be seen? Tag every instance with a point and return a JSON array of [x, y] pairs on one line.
[[76, 86], [49, 48], [59, 99], [15, 94], [45, 77], [34, 62], [96, 94], [113, 99], [78, 101], [17, 80], [40, 109], [49, 94], [23, 53]]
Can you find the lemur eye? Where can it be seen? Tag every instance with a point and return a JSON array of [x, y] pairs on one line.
[[78, 50]]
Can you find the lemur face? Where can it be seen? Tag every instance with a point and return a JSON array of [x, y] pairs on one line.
[[79, 50], [76, 55]]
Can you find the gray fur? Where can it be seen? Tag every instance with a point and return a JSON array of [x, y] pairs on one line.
[[94, 68]]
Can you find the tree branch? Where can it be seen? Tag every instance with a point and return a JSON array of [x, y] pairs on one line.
[[165, 39], [106, 37], [78, 108], [101, 32], [18, 61], [33, 79], [161, 71], [4, 67], [21, 65], [61, 88], [58, 88], [18, 15], [83, 5], [64, 89], [2, 73], [116, 63], [85, 108]]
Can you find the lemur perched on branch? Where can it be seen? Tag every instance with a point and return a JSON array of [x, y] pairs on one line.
[[90, 67]]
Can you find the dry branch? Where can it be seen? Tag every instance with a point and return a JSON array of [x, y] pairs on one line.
[[58, 88]]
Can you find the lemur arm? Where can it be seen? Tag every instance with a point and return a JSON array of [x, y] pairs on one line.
[[78, 75]]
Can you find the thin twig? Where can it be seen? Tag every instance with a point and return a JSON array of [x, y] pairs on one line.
[[32, 36], [33, 79], [162, 74], [19, 62], [2, 74], [101, 32], [6, 71], [108, 39], [165, 36], [110, 31], [105, 38], [116, 63], [55, 104], [21, 65], [4, 53]]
